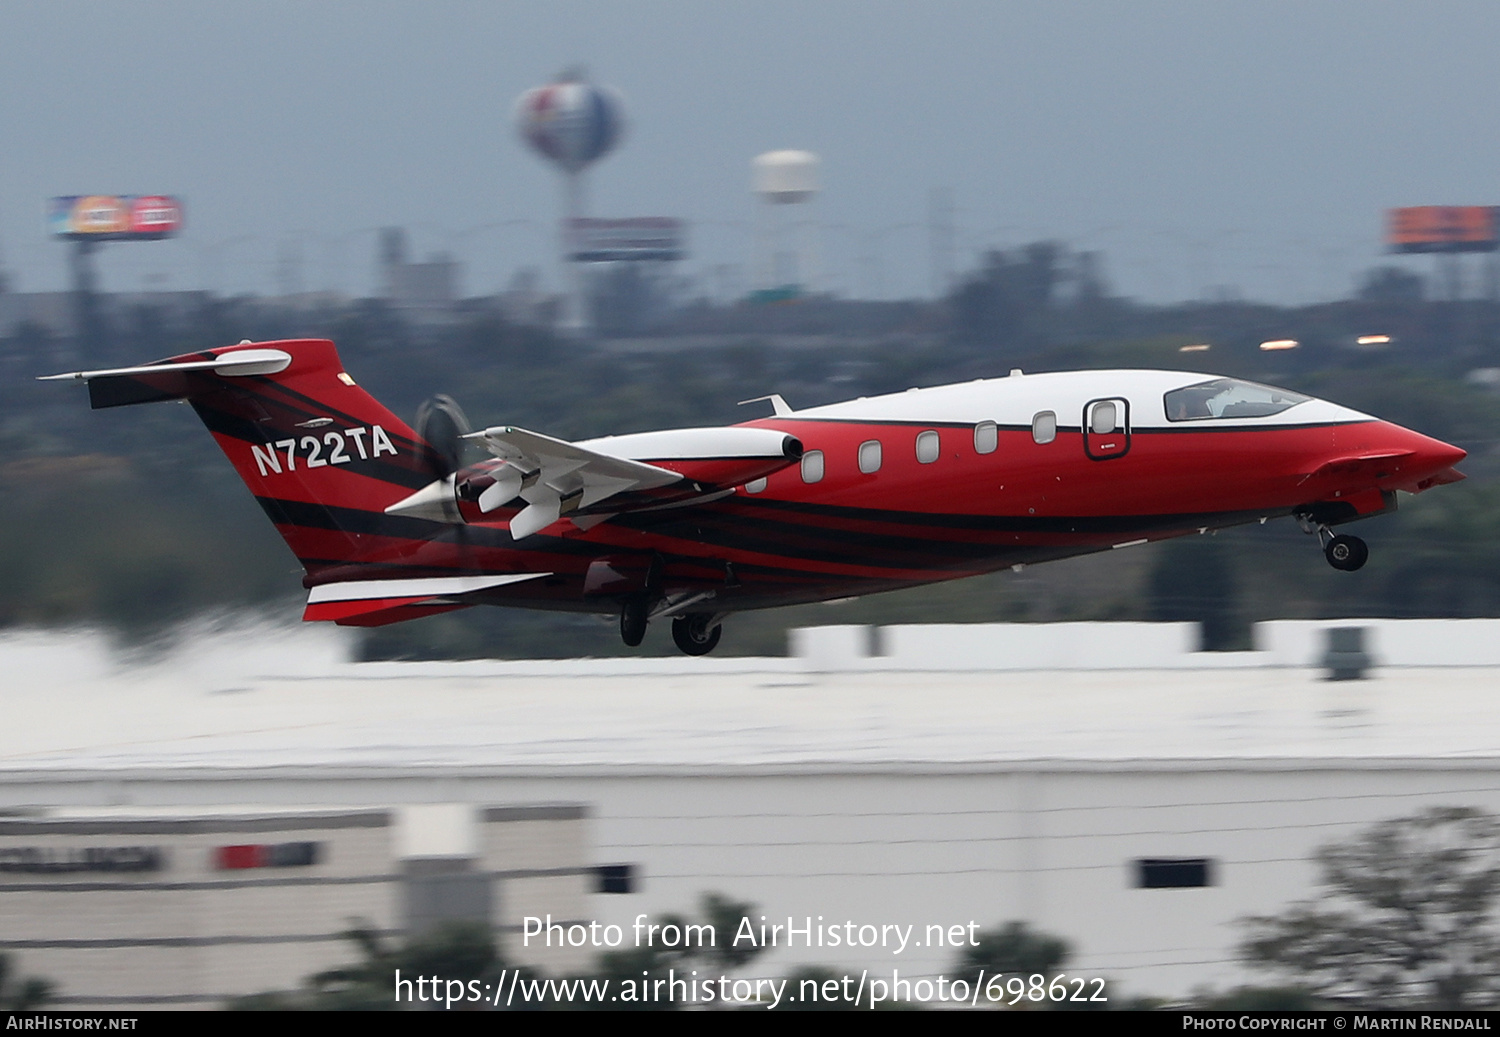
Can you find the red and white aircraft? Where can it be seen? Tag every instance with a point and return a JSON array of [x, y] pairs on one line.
[[693, 524]]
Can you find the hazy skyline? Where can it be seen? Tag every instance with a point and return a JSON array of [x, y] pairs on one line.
[[1253, 145]]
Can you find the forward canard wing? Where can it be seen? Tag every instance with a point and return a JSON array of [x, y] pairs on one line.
[[1389, 469]]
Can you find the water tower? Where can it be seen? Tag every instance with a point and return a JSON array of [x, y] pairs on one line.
[[784, 244], [572, 124]]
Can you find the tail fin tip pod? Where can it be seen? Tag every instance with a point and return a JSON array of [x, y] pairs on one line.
[[323, 458]]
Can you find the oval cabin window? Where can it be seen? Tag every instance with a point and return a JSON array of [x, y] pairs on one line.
[[1105, 418], [1044, 427], [755, 485], [869, 456], [927, 446], [986, 437], [812, 466]]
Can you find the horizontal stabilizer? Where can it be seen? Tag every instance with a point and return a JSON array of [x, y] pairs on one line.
[[171, 380], [360, 601]]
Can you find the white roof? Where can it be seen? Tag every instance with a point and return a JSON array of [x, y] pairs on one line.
[[279, 698]]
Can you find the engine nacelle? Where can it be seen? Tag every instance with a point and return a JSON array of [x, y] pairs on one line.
[[715, 458]]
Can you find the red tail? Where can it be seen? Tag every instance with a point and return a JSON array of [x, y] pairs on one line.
[[322, 457]]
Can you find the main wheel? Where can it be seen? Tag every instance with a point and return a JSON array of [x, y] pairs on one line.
[[1346, 553], [633, 616], [693, 634]]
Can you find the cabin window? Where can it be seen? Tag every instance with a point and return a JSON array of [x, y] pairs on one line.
[[986, 437], [755, 485], [1044, 427], [1105, 418], [869, 456], [927, 446], [1228, 398], [812, 466]]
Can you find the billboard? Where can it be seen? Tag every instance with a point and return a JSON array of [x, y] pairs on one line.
[[612, 241], [1442, 228], [109, 217]]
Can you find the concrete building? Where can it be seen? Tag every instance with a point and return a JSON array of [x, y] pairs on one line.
[[190, 908], [423, 291], [1101, 782]]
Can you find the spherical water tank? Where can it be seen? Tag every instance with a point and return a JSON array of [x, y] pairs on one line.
[[785, 177], [571, 122]]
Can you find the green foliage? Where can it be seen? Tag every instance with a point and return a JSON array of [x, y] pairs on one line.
[[460, 951], [18, 994], [1016, 949], [656, 959], [1261, 999], [1407, 919], [816, 975], [86, 541]]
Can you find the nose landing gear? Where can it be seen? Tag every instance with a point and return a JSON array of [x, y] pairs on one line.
[[1346, 553]]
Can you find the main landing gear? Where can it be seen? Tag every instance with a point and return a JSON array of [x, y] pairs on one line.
[[634, 615], [697, 633], [1345, 553]]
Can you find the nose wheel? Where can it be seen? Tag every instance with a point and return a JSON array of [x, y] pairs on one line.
[[696, 634], [1346, 553]]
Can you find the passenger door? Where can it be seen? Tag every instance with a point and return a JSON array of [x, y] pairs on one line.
[[1106, 428]]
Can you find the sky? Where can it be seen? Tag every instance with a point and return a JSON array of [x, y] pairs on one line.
[[1247, 148]]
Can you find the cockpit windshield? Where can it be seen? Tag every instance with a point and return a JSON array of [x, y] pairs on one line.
[[1228, 398]]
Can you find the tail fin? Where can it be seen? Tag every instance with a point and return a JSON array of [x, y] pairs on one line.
[[322, 456]]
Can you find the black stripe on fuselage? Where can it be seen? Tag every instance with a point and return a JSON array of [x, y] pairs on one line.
[[800, 534], [1194, 425]]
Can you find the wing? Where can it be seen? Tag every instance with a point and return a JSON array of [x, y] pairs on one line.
[[553, 475], [590, 482]]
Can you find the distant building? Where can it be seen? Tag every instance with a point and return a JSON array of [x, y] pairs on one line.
[[423, 290], [186, 908], [56, 313]]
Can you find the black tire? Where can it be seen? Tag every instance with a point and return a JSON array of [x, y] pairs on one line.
[[1346, 553], [694, 636], [633, 618]]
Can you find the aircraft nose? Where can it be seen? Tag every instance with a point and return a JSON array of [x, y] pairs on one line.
[[1434, 453], [1430, 461]]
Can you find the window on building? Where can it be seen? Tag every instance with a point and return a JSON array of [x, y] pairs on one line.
[[869, 456], [986, 437], [928, 446], [1173, 872], [614, 878], [1044, 427], [812, 466]]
